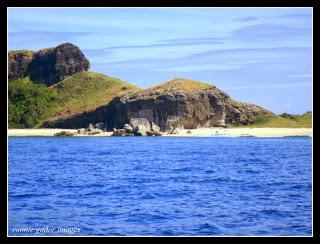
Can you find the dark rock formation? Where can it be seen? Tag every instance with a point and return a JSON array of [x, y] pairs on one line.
[[175, 104], [51, 65], [47, 66], [64, 133], [17, 63], [122, 132], [177, 108]]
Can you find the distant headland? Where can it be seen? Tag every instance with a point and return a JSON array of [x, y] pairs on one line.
[[52, 88]]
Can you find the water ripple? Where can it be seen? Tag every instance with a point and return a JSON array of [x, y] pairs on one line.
[[161, 186]]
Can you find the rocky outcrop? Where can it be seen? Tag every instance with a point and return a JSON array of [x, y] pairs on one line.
[[64, 133], [48, 66], [92, 129], [138, 127], [178, 103], [179, 109], [154, 127], [17, 63]]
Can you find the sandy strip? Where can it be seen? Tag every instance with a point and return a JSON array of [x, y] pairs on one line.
[[45, 132], [238, 132], [202, 132]]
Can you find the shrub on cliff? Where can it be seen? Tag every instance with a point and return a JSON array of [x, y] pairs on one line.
[[17, 63]]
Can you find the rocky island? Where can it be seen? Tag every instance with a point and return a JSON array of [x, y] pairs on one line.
[[68, 96]]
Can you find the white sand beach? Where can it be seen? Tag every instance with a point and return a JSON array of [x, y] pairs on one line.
[[46, 132], [36, 132], [238, 132], [201, 132]]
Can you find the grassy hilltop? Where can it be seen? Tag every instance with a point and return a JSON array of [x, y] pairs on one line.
[[183, 84]]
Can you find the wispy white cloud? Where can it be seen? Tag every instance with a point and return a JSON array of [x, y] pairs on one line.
[[271, 86], [246, 19], [202, 67], [218, 58], [295, 15], [166, 43], [270, 32]]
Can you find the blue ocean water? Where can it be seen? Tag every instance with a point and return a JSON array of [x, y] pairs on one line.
[[160, 186]]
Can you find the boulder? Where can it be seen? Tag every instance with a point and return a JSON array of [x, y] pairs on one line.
[[90, 127], [141, 133], [140, 124], [81, 131], [155, 127], [95, 131], [153, 133], [99, 126], [121, 132], [128, 128], [64, 133]]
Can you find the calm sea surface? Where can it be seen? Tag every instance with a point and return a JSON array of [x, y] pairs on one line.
[[160, 186]]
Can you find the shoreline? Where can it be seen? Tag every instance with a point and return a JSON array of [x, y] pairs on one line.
[[201, 132], [245, 132]]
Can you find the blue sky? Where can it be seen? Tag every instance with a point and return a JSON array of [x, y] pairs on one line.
[[257, 55]]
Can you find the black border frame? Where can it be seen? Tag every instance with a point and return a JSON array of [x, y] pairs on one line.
[[164, 3]]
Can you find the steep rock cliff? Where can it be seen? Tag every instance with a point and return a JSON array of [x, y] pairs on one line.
[[49, 66]]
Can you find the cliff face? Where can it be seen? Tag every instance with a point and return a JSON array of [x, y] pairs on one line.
[[175, 104], [48, 66], [17, 63], [171, 109]]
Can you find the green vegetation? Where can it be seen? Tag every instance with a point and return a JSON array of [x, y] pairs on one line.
[[283, 121], [30, 104]]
